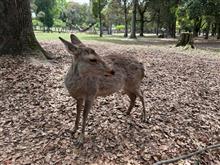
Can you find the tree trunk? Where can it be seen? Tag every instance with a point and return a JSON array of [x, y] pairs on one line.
[[185, 39], [173, 34], [16, 32], [207, 29], [158, 22], [213, 29], [218, 31], [141, 24], [110, 29], [100, 20], [196, 27], [126, 18], [133, 20]]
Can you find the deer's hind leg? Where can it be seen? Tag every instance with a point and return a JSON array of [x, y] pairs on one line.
[[133, 95], [139, 93], [132, 98]]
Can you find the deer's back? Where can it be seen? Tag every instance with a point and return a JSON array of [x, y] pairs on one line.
[[129, 67]]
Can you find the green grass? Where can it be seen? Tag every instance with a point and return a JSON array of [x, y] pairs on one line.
[[119, 39], [116, 38], [82, 36]]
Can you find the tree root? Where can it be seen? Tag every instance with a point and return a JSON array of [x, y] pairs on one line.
[[187, 155]]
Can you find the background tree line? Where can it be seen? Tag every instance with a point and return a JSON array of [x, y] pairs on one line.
[[164, 17]]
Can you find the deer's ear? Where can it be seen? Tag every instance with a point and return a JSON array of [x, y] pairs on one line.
[[73, 49], [76, 41]]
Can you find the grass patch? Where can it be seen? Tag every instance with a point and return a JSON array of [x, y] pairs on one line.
[[82, 36], [149, 39], [116, 38]]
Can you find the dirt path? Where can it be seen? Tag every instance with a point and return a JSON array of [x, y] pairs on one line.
[[182, 96]]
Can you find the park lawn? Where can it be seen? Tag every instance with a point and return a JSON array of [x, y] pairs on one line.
[[41, 36], [210, 45], [115, 38]]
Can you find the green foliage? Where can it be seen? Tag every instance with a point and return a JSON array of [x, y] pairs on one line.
[[186, 15], [77, 14], [96, 8], [48, 7], [119, 27], [59, 23], [36, 22]]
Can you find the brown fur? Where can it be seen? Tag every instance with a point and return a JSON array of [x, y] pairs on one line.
[[90, 76]]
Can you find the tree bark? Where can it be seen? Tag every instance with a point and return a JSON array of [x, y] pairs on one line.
[[218, 31], [16, 32], [185, 39], [196, 27], [158, 22], [207, 29], [141, 24], [125, 18], [100, 20], [213, 33], [133, 20]]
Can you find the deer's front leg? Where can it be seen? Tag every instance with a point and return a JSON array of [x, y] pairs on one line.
[[88, 105], [78, 112]]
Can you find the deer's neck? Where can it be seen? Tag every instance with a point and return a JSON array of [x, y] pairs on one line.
[[72, 77]]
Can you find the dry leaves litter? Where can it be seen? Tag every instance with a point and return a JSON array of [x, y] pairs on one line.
[[182, 96]]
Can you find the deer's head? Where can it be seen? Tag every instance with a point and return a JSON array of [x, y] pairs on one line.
[[87, 60]]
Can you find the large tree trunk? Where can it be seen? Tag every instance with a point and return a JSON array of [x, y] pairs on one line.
[[133, 20], [126, 18], [16, 31]]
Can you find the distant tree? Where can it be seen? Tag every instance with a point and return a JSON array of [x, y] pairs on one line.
[[133, 20], [143, 5], [112, 14], [97, 7], [16, 32], [48, 8], [198, 15], [126, 8], [77, 15]]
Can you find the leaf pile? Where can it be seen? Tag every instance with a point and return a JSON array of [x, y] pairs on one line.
[[182, 96]]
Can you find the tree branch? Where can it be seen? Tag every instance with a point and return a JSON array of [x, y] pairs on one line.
[[187, 155]]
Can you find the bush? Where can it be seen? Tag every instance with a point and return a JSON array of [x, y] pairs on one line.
[[120, 27], [36, 22]]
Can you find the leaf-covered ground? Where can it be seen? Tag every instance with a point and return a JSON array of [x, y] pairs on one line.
[[182, 96]]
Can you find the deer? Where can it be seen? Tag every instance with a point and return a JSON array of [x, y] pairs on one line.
[[91, 76]]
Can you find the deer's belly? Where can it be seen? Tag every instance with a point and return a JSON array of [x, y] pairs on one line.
[[108, 86]]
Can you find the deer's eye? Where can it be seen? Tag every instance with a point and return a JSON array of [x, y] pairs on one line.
[[93, 60]]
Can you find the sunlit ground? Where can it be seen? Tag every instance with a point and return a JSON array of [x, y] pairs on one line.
[[148, 39]]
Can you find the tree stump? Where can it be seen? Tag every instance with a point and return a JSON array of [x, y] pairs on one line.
[[185, 39]]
